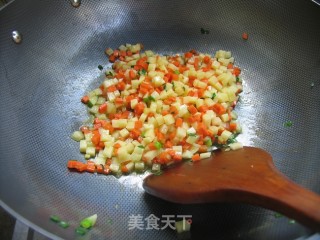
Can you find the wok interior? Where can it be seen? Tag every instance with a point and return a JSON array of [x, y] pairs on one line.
[[43, 79]]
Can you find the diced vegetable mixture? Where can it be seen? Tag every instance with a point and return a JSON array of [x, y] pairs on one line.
[[154, 110]]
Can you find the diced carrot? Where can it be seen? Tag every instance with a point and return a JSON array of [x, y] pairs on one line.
[[103, 108], [129, 53], [196, 63], [172, 135], [125, 115], [123, 53], [203, 149], [108, 162], [85, 99], [236, 71], [168, 144], [230, 66], [117, 145], [245, 36], [139, 108], [84, 129], [188, 55], [164, 112], [121, 58], [81, 166], [232, 126], [220, 130], [121, 86], [95, 137], [218, 108], [91, 167], [111, 88], [106, 169], [119, 100], [179, 122], [177, 157], [195, 157], [112, 58], [72, 164], [206, 59], [116, 53], [138, 124], [200, 92], [99, 168], [132, 74], [135, 134], [173, 110], [171, 152], [203, 108], [192, 109], [152, 146], [174, 76]]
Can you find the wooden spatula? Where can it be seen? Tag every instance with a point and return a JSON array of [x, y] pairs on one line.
[[247, 175]]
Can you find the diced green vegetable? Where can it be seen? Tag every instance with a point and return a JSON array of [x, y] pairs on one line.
[[158, 145], [89, 104], [213, 95], [100, 67], [176, 72], [81, 231], [278, 215], [89, 221], [63, 224], [208, 142], [192, 134], [142, 72], [54, 218], [288, 124], [292, 221], [140, 146]]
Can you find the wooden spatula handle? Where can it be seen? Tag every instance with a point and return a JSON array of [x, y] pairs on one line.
[[276, 192]]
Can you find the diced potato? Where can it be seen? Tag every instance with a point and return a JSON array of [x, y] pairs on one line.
[[107, 151], [181, 133], [133, 103], [205, 155], [225, 135], [124, 133], [187, 154], [91, 151], [169, 119], [77, 136], [114, 167], [130, 125], [225, 117], [83, 146], [139, 166], [99, 160], [192, 139], [149, 156], [159, 119], [235, 146], [119, 123], [136, 157]]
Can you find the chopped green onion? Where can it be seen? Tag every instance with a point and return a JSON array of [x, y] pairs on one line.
[[158, 173], [204, 31], [158, 145], [109, 73], [80, 230], [140, 146], [89, 104], [288, 124], [100, 67], [213, 95], [152, 98], [54, 218], [176, 72], [63, 224], [208, 143], [192, 134], [237, 79], [89, 221], [146, 100], [292, 221], [85, 223], [109, 221], [142, 72], [278, 215]]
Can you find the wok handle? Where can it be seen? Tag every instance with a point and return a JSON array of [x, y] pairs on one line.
[[282, 195]]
